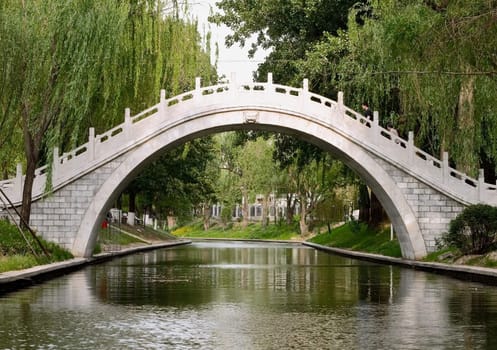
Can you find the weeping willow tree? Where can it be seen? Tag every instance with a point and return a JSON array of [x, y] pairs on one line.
[[68, 65], [426, 65]]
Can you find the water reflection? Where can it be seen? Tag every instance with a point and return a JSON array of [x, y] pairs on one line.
[[250, 296]]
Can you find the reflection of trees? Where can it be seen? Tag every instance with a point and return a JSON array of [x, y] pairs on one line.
[[156, 278], [468, 308], [376, 283], [369, 305], [284, 276]]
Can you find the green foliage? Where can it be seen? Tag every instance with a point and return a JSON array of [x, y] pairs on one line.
[[474, 231], [226, 215], [361, 238], [70, 65], [426, 66], [177, 181], [443, 254], [112, 235], [287, 27], [11, 241], [17, 262], [252, 231], [15, 253]]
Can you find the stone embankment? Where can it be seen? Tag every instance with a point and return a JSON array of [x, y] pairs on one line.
[[469, 273], [13, 280]]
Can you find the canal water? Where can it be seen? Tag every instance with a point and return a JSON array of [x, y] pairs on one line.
[[228, 295]]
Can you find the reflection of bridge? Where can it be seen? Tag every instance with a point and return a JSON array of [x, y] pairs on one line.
[[420, 193]]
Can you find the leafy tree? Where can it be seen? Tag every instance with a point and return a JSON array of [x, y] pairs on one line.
[[474, 231], [285, 27], [428, 66], [259, 171], [229, 188], [425, 65], [290, 40], [45, 69], [73, 64], [176, 182]]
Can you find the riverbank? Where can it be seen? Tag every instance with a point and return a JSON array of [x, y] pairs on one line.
[[282, 232], [357, 241], [464, 272], [360, 237], [13, 280], [350, 241]]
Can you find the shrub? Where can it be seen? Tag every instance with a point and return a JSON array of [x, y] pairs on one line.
[[12, 243], [474, 231]]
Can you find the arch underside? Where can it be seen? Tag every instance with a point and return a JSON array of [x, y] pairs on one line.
[[301, 126]]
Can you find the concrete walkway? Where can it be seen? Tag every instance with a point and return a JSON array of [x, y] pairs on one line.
[[464, 272], [12, 280]]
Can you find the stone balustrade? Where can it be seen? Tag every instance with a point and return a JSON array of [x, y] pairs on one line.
[[335, 115]]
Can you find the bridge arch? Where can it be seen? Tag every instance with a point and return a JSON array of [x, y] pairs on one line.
[[420, 193], [302, 126]]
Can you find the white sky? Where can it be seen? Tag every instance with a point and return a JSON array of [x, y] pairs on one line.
[[233, 59]]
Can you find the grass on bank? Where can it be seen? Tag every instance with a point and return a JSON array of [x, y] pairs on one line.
[[360, 237], [15, 253], [353, 235], [116, 236], [236, 231], [452, 255]]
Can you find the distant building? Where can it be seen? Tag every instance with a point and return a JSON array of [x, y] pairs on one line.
[[277, 208]]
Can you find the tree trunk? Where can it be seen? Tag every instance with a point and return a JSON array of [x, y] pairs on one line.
[[27, 191], [119, 202], [364, 203], [245, 207], [290, 209], [304, 228], [467, 155], [5, 173], [265, 209], [32, 157], [376, 211], [132, 201], [206, 214]]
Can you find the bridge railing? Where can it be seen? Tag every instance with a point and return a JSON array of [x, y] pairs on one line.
[[333, 114]]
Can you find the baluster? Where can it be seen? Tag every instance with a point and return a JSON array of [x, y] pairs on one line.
[[340, 102], [18, 182], [410, 147], [91, 144], [375, 127], [55, 165], [304, 93], [162, 103], [481, 184], [128, 124], [445, 167], [198, 85], [232, 84]]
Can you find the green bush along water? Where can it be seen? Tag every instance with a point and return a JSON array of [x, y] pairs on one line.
[[252, 231], [360, 237], [15, 253], [353, 235]]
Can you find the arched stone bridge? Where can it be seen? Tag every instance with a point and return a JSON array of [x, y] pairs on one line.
[[419, 192]]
